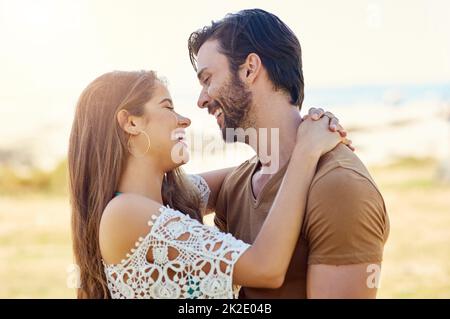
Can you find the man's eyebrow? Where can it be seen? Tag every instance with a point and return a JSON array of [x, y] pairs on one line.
[[199, 73], [166, 100]]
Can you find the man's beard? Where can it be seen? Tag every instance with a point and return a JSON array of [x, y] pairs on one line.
[[236, 101]]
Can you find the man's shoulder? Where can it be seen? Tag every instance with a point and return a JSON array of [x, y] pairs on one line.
[[343, 186], [346, 221], [339, 165]]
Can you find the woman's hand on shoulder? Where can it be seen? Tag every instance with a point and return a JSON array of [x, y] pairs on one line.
[[321, 132]]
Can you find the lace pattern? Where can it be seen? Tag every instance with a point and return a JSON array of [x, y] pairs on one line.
[[200, 264], [202, 187]]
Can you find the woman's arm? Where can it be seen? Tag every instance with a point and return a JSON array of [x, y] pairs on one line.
[[265, 263], [214, 179]]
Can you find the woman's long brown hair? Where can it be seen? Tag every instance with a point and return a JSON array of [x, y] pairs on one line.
[[96, 158]]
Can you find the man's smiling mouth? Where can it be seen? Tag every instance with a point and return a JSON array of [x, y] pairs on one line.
[[217, 113]]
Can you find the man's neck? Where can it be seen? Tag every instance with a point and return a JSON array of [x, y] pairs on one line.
[[276, 114]]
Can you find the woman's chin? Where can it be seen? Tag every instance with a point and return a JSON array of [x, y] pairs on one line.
[[185, 159], [180, 154]]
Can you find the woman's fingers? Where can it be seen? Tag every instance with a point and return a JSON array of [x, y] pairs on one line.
[[348, 142], [334, 125], [341, 131], [316, 113], [334, 121]]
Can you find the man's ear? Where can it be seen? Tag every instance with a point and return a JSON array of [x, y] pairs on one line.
[[252, 68], [127, 122]]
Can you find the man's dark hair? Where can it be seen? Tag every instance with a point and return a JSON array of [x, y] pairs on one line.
[[260, 32]]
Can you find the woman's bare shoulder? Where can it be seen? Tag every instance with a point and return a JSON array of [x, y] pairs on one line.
[[123, 221]]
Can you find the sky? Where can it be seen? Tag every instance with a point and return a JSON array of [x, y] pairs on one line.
[[51, 49]]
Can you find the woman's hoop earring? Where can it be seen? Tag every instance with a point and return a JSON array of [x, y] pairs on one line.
[[148, 147]]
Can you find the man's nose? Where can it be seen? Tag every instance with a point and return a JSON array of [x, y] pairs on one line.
[[203, 100]]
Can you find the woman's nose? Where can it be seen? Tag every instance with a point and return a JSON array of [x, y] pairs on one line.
[[183, 121]]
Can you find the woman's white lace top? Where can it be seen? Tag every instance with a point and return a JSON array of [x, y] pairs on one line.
[[202, 266], [203, 189]]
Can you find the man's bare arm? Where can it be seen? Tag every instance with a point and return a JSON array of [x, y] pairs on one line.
[[358, 281]]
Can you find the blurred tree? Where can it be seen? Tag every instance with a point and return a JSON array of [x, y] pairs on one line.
[[53, 182]]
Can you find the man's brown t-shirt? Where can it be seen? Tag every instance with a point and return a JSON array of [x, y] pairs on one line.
[[345, 219]]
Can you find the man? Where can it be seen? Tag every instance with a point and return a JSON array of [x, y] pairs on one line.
[[249, 65]]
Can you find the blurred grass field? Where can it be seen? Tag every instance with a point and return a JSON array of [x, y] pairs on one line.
[[35, 247]]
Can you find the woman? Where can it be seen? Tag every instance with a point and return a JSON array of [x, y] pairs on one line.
[[136, 220]]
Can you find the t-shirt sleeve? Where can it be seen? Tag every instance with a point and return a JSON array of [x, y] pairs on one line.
[[346, 220]]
